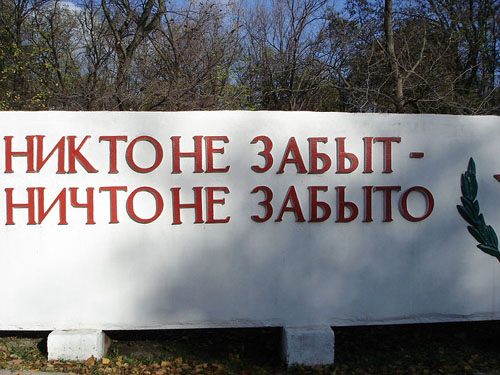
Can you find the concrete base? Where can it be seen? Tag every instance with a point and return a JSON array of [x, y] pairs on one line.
[[77, 345], [308, 346]]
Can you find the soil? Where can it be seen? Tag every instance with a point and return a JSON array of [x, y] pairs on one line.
[[452, 348]]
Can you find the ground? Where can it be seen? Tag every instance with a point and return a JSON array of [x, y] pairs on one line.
[[453, 348]]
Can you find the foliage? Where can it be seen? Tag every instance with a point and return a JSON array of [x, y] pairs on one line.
[[424, 56]]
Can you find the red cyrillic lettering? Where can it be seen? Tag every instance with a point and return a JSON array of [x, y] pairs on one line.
[[89, 205], [292, 198], [210, 204], [209, 141], [387, 141], [61, 198], [315, 155], [368, 204], [292, 148], [29, 154], [60, 147], [266, 154], [387, 200], [196, 154], [30, 206], [130, 205], [368, 154], [266, 203], [429, 202], [113, 140], [197, 205], [129, 155], [342, 204], [325, 207], [342, 156], [75, 154], [112, 201]]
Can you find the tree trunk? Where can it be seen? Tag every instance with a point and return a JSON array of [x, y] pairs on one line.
[[393, 61]]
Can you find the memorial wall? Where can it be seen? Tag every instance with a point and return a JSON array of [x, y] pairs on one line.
[[239, 219]]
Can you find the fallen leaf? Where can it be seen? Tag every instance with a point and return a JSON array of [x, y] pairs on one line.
[[15, 362], [90, 362]]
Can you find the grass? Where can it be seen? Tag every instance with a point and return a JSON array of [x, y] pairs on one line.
[[452, 349]]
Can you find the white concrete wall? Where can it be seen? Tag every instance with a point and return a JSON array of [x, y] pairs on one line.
[[244, 273]]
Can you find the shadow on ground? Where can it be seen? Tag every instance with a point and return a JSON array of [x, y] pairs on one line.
[[259, 346], [452, 348]]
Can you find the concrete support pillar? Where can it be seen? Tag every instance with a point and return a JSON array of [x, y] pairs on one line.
[[308, 346], [77, 345]]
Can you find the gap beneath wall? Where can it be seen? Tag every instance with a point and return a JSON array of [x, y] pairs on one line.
[[461, 348]]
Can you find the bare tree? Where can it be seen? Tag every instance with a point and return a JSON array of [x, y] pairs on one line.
[[391, 55], [284, 50], [96, 58], [130, 25], [194, 50], [436, 56], [421, 56]]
